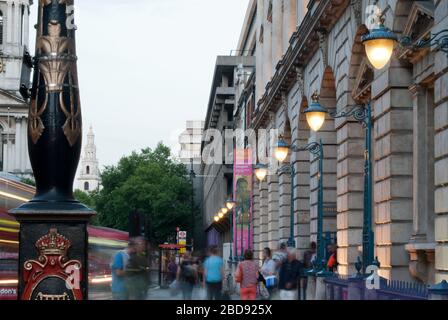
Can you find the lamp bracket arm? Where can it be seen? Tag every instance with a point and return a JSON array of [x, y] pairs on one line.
[[358, 112], [285, 169], [438, 39], [313, 147]]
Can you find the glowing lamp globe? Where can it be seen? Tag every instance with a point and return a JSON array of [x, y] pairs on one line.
[[379, 45], [281, 151], [230, 204], [315, 113], [261, 171]]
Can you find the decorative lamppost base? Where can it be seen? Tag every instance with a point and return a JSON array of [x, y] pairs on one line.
[[53, 261]]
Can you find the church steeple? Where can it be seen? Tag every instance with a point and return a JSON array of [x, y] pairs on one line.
[[89, 177]]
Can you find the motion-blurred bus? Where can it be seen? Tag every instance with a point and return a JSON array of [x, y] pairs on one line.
[[103, 242]]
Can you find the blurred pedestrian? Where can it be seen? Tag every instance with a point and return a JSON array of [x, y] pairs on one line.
[[172, 269], [118, 267], [187, 275], [213, 275], [247, 276], [280, 255], [268, 270], [332, 263], [289, 276], [137, 270], [308, 258]]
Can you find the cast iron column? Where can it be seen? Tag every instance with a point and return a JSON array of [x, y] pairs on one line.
[[53, 225], [368, 237]]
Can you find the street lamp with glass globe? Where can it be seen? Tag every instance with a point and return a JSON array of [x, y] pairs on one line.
[[261, 171], [380, 42], [363, 114]]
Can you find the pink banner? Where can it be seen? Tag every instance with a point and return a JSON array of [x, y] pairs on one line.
[[242, 186]]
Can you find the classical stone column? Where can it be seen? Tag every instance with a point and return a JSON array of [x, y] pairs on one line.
[[264, 217], [259, 54], [289, 21], [284, 203], [350, 188], [277, 32], [9, 23], [267, 47], [423, 151], [256, 219], [328, 137], [441, 148], [392, 144], [17, 146], [273, 214]]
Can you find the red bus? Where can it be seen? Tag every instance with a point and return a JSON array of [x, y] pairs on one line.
[[103, 242]]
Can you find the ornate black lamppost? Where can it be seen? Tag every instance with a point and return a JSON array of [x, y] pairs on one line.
[[53, 225]]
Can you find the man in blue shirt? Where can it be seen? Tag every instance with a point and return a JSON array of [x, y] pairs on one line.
[[120, 260], [213, 274]]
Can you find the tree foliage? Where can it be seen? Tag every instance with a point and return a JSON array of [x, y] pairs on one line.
[[150, 182]]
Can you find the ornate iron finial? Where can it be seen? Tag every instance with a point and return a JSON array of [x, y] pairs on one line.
[[315, 97], [358, 265], [376, 262]]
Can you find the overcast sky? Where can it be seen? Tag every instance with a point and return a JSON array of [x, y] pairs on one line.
[[145, 66]]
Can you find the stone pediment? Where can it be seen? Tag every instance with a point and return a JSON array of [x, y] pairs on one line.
[[10, 99], [417, 28], [362, 86]]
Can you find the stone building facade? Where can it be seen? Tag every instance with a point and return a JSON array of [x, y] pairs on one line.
[[217, 155], [305, 46], [15, 69]]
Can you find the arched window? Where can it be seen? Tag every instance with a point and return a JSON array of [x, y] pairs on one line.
[[1, 27], [87, 170], [86, 186]]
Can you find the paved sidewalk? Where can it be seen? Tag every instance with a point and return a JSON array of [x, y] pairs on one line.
[[168, 294]]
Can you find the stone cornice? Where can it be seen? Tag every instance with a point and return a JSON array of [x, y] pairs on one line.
[[303, 45]]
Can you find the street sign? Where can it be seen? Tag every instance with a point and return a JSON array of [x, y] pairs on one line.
[[182, 235], [182, 240]]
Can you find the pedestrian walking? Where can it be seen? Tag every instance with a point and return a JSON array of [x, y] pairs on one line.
[[118, 267], [213, 275], [137, 270], [172, 270], [332, 262], [308, 258], [187, 276], [280, 255], [247, 276], [268, 271], [289, 276]]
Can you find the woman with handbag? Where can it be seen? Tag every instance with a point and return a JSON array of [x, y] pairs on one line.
[[247, 276], [268, 271]]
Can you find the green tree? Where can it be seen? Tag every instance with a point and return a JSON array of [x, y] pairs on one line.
[[150, 182], [89, 199]]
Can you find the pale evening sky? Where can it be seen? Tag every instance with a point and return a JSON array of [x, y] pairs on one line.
[[145, 66]]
